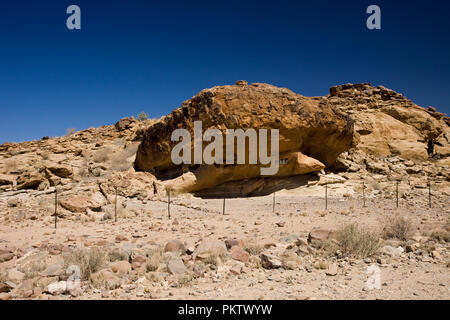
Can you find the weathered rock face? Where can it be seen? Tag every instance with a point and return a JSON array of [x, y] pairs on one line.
[[386, 123], [389, 125], [312, 133]]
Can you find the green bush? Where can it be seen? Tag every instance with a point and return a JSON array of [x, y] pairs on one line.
[[142, 116]]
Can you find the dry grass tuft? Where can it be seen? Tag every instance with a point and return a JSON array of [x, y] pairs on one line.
[[215, 255], [70, 131], [441, 236], [356, 241], [33, 269], [89, 261], [155, 257], [254, 249], [397, 228]]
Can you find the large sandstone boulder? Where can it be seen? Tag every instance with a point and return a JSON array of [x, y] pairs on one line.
[[82, 202], [60, 170], [312, 133], [131, 184], [124, 124]]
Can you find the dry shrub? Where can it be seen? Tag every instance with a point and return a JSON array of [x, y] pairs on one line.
[[215, 255], [70, 131], [441, 236], [356, 241], [118, 255], [154, 276], [89, 261], [142, 116], [98, 281], [33, 269], [397, 227], [155, 257], [254, 262], [183, 281], [254, 249]]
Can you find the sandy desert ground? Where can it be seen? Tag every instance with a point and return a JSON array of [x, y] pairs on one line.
[[300, 269]]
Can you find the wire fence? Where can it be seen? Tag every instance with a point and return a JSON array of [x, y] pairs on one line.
[[328, 201]]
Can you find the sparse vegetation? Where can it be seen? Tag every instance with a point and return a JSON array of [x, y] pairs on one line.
[[184, 280], [117, 255], [89, 261], [356, 241], [98, 281], [142, 116], [254, 249], [155, 257], [70, 131], [441, 236], [33, 269], [215, 255], [397, 227]]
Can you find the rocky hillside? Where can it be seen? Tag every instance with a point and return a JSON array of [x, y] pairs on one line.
[[388, 125], [358, 131]]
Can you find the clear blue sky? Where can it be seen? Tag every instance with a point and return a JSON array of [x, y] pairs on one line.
[[138, 55]]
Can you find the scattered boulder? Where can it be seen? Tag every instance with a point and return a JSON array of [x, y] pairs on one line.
[[176, 265], [332, 269], [234, 242], [209, 247], [239, 254], [124, 124], [15, 276], [320, 235], [175, 246], [62, 171], [57, 288], [391, 251], [270, 261], [81, 203]]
